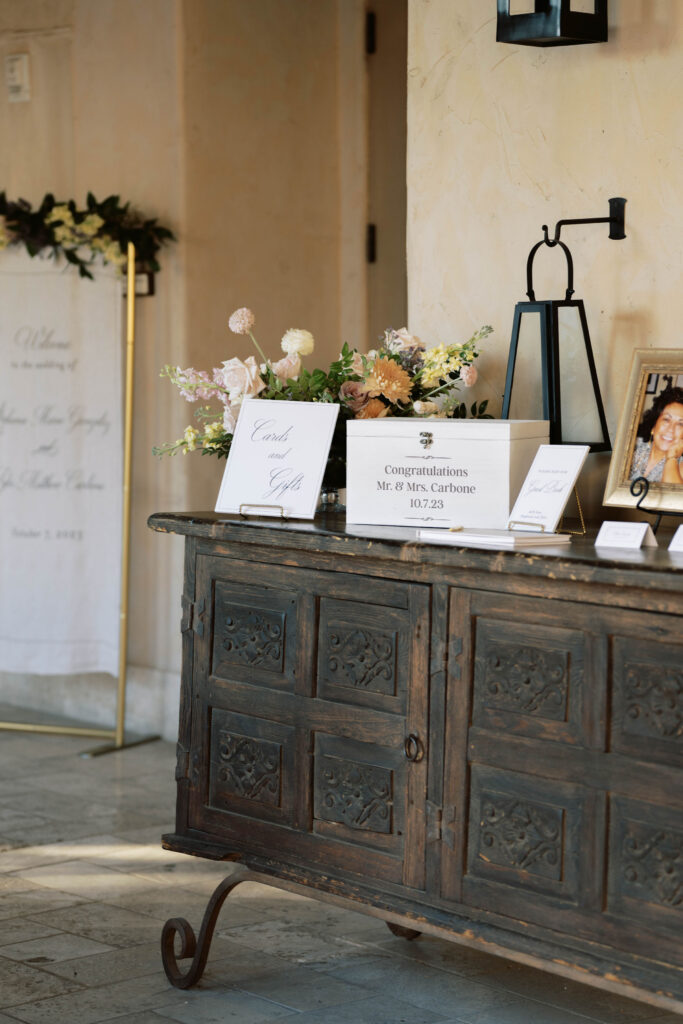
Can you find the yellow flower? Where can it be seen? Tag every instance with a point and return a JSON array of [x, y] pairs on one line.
[[90, 225], [4, 237], [389, 379], [64, 234], [62, 213], [190, 437], [439, 362]]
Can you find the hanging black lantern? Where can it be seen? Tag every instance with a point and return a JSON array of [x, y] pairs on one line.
[[552, 23], [549, 313]]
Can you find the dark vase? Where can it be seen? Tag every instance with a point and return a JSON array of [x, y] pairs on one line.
[[334, 477]]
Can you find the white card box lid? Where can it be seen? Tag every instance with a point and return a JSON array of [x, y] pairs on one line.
[[411, 471]]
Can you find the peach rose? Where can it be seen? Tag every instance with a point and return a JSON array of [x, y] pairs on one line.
[[468, 375], [287, 368], [374, 409], [242, 379]]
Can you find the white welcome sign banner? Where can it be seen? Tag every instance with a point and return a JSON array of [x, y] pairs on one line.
[[60, 467]]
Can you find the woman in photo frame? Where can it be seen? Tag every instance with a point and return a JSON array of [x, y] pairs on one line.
[[658, 451]]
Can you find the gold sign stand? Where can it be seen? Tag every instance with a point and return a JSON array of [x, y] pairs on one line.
[[116, 735]]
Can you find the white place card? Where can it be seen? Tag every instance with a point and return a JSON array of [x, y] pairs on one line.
[[625, 535], [677, 540], [546, 489], [277, 458]]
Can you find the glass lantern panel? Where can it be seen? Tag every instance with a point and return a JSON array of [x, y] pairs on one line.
[[582, 6], [580, 419], [526, 399]]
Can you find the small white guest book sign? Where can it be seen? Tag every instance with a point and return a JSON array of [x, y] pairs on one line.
[[277, 458]]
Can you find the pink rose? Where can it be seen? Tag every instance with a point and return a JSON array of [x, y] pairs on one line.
[[242, 379], [354, 394], [468, 375], [357, 364], [405, 340], [229, 420], [287, 368]]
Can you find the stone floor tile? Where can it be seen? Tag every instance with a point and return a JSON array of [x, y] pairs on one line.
[[32, 901], [377, 1009], [542, 986], [521, 1012], [423, 986], [295, 944], [104, 923], [146, 1017], [303, 989], [216, 1007], [120, 965], [86, 879], [447, 956], [20, 984], [21, 929], [90, 1006], [53, 949], [167, 901]]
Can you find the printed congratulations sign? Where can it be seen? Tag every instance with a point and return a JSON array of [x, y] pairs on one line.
[[277, 458]]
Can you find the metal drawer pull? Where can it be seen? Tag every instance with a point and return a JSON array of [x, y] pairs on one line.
[[414, 747]]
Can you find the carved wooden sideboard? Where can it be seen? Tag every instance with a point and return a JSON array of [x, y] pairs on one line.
[[481, 745]]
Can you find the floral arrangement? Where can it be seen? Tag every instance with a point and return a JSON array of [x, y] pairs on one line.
[[102, 228], [400, 378]]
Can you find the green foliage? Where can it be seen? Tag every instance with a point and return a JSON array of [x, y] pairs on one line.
[[103, 228]]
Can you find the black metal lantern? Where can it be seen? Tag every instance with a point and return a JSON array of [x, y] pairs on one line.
[[549, 313], [552, 23]]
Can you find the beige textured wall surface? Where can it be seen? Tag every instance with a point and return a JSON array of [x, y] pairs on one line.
[[262, 229], [503, 139]]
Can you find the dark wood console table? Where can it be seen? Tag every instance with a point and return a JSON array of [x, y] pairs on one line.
[[485, 746]]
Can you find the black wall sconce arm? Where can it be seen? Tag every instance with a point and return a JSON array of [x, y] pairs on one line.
[[616, 221]]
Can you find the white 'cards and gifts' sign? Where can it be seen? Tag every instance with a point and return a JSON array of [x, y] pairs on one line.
[[431, 472], [277, 458]]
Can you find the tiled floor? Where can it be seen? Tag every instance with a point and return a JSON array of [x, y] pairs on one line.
[[85, 888]]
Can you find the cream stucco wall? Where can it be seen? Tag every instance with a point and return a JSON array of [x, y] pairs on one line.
[[503, 139]]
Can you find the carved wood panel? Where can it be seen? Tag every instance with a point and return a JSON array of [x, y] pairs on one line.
[[251, 765], [528, 677], [525, 832], [646, 863], [362, 654], [359, 794], [253, 634], [647, 691]]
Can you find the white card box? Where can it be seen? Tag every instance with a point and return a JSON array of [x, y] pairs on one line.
[[430, 472]]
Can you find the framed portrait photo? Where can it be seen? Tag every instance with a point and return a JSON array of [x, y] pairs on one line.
[[649, 439]]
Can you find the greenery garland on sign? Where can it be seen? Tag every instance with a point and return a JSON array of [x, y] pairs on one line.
[[105, 229]]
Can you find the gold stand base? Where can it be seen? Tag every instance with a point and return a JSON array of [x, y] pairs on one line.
[[85, 731], [111, 748]]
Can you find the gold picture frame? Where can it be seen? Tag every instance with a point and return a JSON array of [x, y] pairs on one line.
[[655, 374]]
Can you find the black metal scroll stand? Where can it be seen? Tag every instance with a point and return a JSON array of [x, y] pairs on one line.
[[639, 489], [195, 948]]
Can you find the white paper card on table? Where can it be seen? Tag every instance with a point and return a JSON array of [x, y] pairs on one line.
[[546, 489], [677, 540], [625, 535], [501, 539], [277, 458]]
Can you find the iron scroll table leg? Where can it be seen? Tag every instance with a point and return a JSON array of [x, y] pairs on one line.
[[190, 945], [197, 948]]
